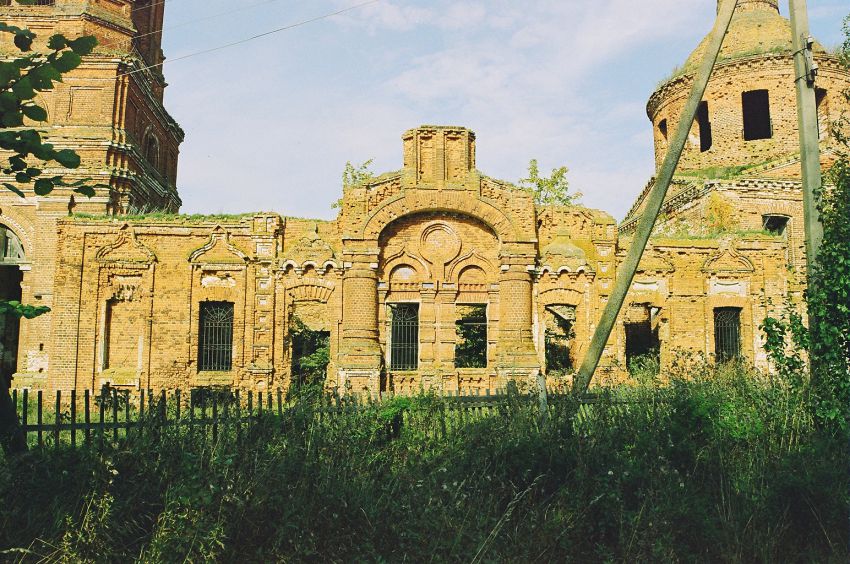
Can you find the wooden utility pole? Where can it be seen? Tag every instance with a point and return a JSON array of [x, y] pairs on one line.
[[807, 120], [654, 201]]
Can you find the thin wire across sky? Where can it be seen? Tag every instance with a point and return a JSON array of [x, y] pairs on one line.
[[253, 37]]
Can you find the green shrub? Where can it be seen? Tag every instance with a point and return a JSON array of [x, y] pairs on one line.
[[722, 464]]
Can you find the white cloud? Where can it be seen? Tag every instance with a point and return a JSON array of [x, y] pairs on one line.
[[271, 123]]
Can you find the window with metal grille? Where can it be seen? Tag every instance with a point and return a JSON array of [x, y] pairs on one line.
[[727, 333], [471, 344], [215, 339], [756, 107], [705, 139], [404, 336]]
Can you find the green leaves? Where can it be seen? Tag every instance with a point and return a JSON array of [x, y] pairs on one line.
[[20, 310], [67, 158], [35, 113], [553, 189], [21, 80], [83, 45], [67, 62], [353, 176]]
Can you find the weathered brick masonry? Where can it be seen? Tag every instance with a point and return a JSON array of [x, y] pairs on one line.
[[420, 262]]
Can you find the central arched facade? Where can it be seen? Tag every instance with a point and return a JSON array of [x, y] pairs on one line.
[[438, 301]]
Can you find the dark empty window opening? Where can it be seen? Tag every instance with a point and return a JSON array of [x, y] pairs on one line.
[[310, 355], [775, 224], [662, 128], [705, 140], [10, 289], [471, 344], [727, 334], [823, 112], [215, 340], [643, 345], [558, 338], [404, 336], [756, 107]]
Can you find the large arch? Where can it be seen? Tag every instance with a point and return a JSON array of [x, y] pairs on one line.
[[413, 202], [12, 257]]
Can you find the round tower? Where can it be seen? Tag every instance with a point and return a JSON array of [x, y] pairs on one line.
[[749, 113], [744, 5]]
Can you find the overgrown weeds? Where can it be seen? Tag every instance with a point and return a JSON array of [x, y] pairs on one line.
[[717, 465]]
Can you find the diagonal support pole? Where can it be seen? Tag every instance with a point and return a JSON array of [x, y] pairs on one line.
[[654, 201]]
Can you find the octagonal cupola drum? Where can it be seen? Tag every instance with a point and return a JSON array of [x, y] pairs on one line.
[[748, 115]]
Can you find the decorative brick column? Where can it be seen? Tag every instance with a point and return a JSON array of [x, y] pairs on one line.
[[359, 358], [517, 359]]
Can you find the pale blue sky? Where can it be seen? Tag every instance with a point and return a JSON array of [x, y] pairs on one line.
[[270, 123]]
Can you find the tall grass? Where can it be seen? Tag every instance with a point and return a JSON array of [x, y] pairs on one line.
[[722, 466]]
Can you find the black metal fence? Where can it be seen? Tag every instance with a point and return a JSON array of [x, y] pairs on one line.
[[86, 418]]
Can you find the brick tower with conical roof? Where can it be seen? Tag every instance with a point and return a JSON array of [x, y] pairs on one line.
[[742, 157]]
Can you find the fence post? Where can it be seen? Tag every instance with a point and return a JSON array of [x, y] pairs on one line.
[[114, 415], [280, 404], [126, 413], [87, 416], [101, 419], [142, 421], [25, 408], [238, 414], [57, 419], [177, 407], [163, 412], [74, 418], [215, 417], [40, 420]]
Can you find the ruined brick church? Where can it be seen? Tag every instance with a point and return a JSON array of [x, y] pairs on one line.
[[433, 276]]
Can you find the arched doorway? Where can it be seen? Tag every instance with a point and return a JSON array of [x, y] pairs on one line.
[[11, 258]]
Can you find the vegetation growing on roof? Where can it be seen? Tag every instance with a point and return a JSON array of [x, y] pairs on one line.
[[163, 216]]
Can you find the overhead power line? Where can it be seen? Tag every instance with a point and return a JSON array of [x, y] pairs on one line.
[[151, 5], [196, 20], [258, 36]]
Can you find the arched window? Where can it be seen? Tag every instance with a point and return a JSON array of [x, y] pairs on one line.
[[150, 150], [11, 249], [404, 336]]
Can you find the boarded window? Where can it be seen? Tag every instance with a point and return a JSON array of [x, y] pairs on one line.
[[404, 336], [727, 334], [756, 107], [215, 342], [471, 344], [559, 337], [122, 334], [705, 139]]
